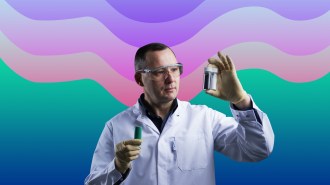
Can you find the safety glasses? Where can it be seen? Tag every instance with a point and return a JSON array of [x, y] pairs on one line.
[[162, 72]]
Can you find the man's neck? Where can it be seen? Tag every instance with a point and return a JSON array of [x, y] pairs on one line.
[[160, 109]]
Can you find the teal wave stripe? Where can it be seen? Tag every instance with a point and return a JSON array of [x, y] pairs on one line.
[[65, 113], [293, 108]]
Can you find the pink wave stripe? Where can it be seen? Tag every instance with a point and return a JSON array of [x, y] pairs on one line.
[[90, 66], [67, 68], [291, 68], [66, 36]]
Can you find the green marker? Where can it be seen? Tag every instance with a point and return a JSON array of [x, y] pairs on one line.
[[138, 133]]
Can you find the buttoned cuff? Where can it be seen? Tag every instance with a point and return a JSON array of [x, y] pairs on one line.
[[244, 115], [115, 174], [248, 115], [120, 177]]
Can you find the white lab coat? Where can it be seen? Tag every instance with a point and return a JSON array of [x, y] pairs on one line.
[[183, 153]]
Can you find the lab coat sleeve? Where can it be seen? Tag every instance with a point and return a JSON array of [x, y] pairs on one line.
[[242, 137], [103, 170]]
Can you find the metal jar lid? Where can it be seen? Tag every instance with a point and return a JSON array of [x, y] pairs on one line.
[[211, 69]]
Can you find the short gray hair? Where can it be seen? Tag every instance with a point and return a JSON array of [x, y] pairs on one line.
[[140, 55]]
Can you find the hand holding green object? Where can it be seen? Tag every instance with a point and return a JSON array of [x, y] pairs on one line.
[[126, 152]]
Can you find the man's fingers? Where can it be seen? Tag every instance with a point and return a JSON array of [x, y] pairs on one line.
[[135, 142], [217, 63], [128, 153], [133, 157], [222, 58], [211, 92], [126, 156], [132, 147], [224, 61], [133, 153], [230, 62], [129, 145]]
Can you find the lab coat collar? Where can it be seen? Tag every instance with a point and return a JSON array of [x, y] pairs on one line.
[[143, 119]]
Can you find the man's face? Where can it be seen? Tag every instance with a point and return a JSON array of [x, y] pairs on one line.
[[166, 89]]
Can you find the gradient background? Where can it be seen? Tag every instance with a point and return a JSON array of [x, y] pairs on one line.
[[66, 67]]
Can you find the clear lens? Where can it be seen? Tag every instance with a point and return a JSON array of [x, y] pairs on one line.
[[161, 73]]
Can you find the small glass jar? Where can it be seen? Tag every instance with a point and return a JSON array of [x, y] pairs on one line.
[[210, 78]]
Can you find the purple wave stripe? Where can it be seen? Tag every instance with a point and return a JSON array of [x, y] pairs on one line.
[[145, 10], [171, 32], [66, 36], [165, 10], [90, 66]]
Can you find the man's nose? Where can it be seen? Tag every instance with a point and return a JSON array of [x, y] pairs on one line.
[[169, 77]]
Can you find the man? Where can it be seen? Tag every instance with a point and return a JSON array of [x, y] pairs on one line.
[[178, 138]]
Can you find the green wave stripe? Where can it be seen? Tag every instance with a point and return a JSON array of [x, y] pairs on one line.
[[86, 104]]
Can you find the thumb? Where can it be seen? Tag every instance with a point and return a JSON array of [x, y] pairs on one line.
[[135, 142], [211, 92]]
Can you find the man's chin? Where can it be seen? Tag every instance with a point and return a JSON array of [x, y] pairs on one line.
[[171, 96]]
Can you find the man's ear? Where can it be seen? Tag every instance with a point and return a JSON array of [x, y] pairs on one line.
[[138, 79]]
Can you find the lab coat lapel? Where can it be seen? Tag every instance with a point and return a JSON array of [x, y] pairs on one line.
[[143, 119], [146, 121], [175, 118]]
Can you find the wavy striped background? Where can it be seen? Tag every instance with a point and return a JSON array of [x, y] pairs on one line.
[[77, 61]]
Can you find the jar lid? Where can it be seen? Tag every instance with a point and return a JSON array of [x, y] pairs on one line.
[[211, 69]]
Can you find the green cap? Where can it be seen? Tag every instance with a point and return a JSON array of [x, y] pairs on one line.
[[138, 133]]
